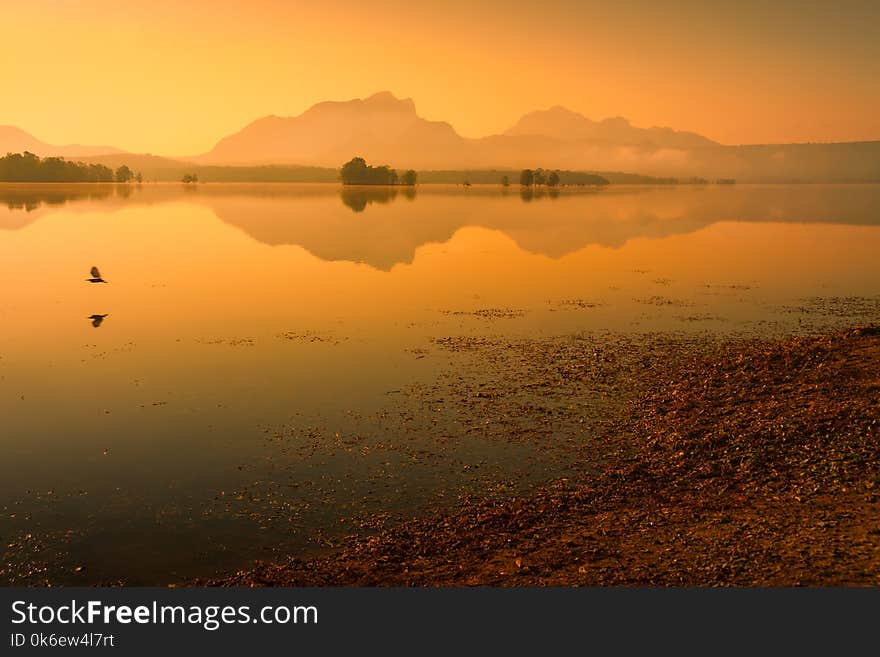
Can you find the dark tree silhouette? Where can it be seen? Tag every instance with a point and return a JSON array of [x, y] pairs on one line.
[[357, 172], [354, 171], [553, 179], [540, 177], [505, 181], [124, 174], [27, 167], [408, 178], [527, 178]]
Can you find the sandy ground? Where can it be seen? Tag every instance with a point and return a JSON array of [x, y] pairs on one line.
[[741, 462]]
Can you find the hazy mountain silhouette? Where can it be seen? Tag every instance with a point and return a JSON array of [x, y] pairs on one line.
[[563, 124], [15, 140], [380, 128], [387, 130]]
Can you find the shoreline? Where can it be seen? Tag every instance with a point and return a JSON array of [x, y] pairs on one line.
[[742, 463]]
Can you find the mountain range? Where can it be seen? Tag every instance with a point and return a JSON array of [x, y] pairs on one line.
[[15, 140], [388, 130], [383, 128]]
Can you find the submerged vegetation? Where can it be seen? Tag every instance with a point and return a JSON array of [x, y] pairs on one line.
[[27, 167], [357, 172]]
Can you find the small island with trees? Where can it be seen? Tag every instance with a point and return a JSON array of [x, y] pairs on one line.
[[357, 172], [552, 179], [27, 167]]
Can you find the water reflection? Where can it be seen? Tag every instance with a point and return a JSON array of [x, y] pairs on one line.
[[357, 198], [285, 363], [124, 191], [29, 197], [393, 232], [310, 216], [528, 194]]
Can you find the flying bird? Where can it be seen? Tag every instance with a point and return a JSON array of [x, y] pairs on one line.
[[96, 276], [97, 319]]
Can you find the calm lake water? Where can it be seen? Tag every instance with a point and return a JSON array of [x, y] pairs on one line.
[[242, 397]]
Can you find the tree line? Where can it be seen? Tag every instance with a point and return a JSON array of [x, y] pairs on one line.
[[357, 172], [27, 167], [530, 177], [537, 177]]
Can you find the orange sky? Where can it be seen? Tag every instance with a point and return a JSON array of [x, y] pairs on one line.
[[172, 77]]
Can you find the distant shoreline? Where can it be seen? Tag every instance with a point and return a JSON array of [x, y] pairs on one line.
[[158, 169], [429, 183]]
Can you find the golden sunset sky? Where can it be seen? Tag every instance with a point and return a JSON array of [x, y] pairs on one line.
[[173, 77]]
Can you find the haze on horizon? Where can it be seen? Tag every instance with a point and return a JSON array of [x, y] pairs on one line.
[[174, 77]]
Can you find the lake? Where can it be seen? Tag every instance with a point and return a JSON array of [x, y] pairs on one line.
[[271, 368]]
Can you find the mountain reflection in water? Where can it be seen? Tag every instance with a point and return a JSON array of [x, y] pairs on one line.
[[371, 226]]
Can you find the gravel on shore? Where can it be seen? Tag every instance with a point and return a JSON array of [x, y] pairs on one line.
[[751, 463]]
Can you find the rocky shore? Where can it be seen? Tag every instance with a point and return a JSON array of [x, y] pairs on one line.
[[750, 462]]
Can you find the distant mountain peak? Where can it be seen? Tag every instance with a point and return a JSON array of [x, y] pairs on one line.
[[16, 140], [385, 97], [387, 100], [382, 101], [561, 110], [618, 121], [564, 124], [379, 127], [12, 130]]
